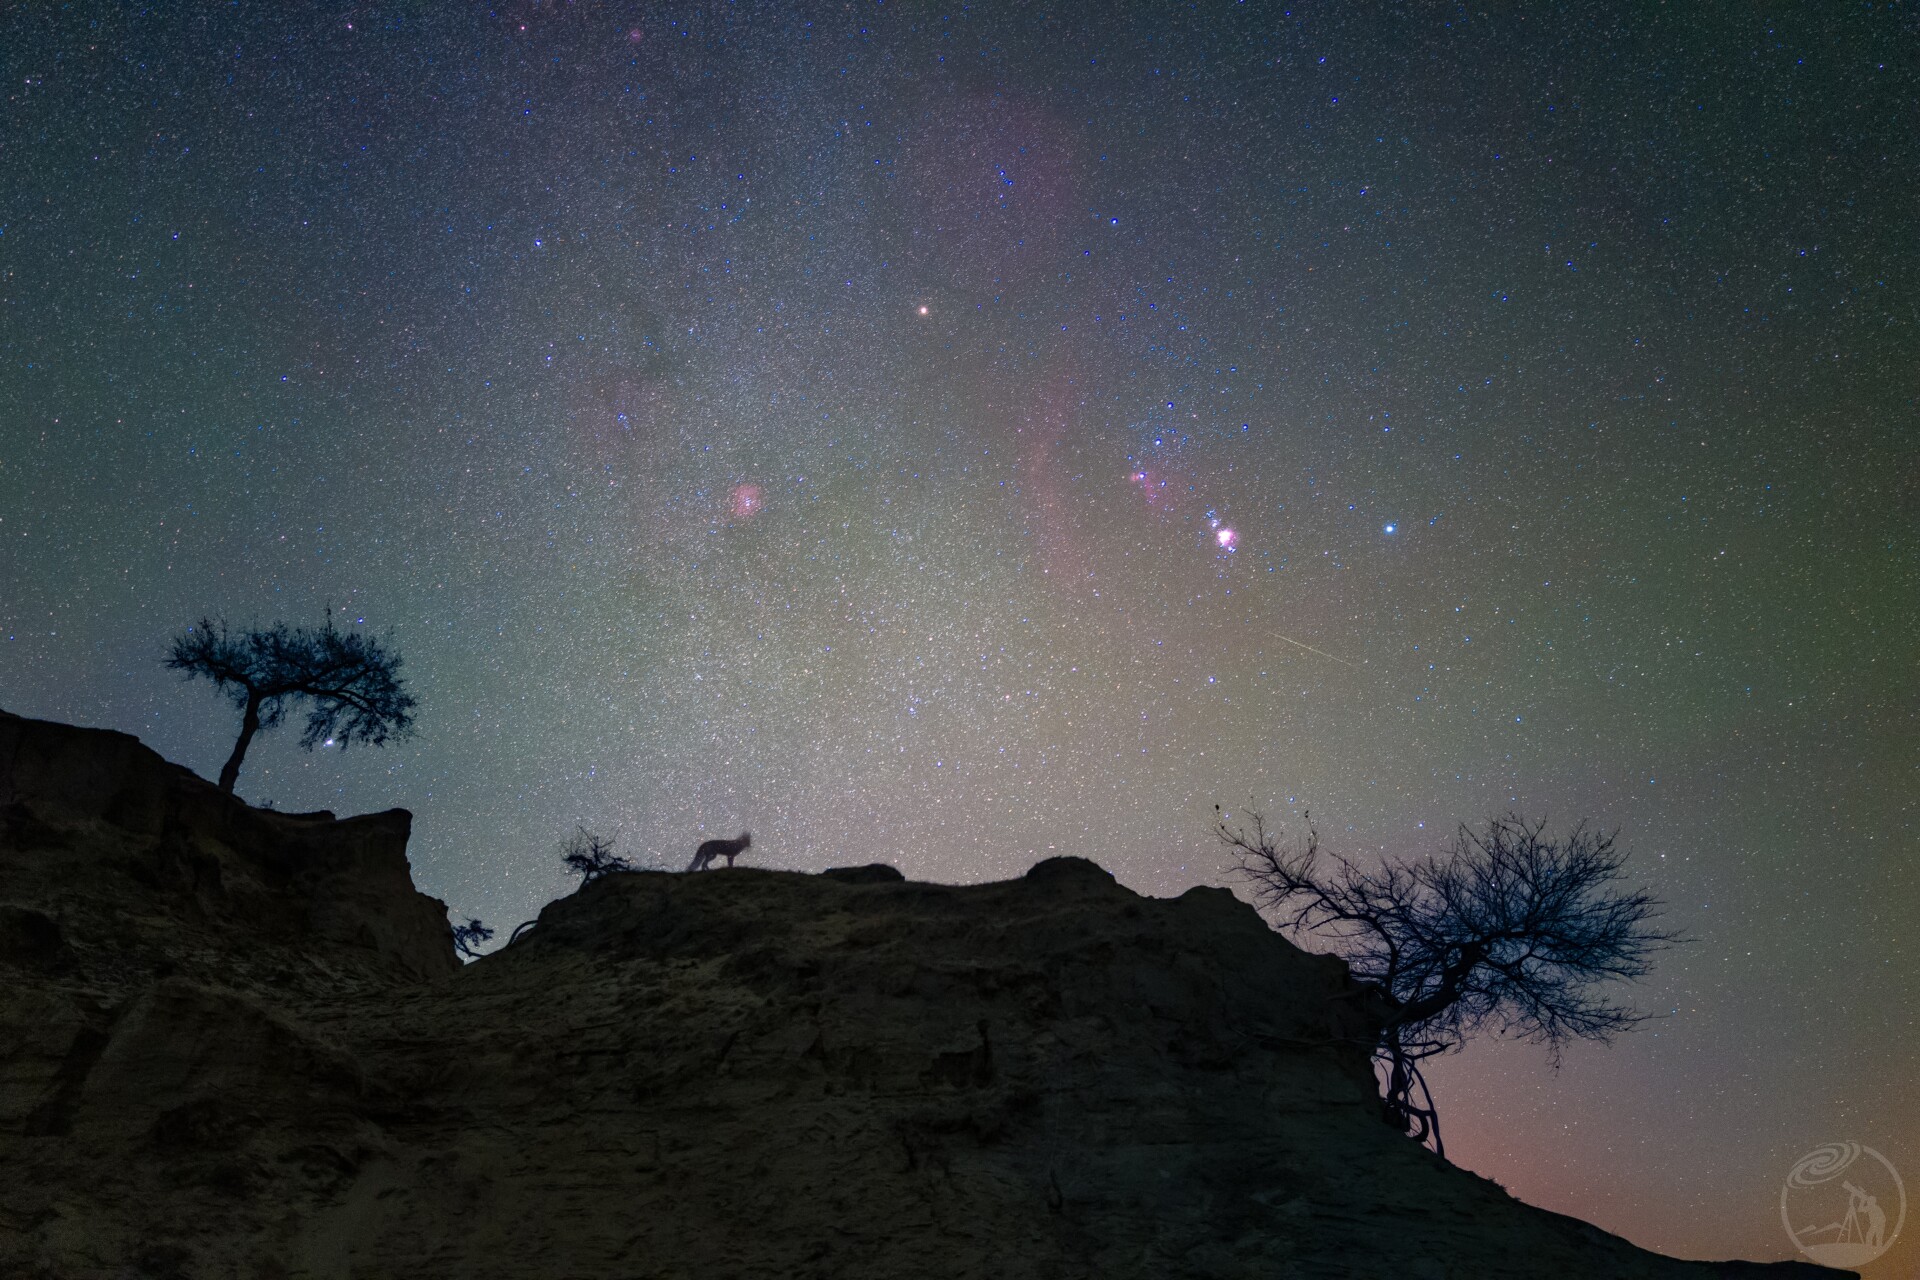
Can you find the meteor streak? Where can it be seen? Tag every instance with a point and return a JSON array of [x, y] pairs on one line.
[[1310, 649]]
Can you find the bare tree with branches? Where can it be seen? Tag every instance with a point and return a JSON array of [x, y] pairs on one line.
[[590, 856], [469, 937], [1505, 929]]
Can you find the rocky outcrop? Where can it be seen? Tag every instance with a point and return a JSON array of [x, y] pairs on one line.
[[153, 869], [236, 1043]]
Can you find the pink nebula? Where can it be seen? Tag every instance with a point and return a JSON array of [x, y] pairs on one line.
[[745, 501], [1154, 487]]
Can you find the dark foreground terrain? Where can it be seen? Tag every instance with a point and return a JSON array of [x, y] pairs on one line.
[[235, 1043]]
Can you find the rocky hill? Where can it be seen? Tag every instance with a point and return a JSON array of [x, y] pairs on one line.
[[237, 1043]]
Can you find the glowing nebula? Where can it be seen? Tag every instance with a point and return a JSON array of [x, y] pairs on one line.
[[745, 501], [1227, 539], [1154, 489]]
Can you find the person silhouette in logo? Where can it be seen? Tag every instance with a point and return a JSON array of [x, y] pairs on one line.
[[1866, 1221], [1876, 1221]]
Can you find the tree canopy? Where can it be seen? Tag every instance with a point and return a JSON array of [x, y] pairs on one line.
[[348, 681]]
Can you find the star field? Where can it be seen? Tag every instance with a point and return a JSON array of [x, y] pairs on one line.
[[952, 437]]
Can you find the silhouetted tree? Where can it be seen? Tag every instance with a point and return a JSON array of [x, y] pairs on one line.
[[590, 856], [1505, 929], [468, 937], [350, 682]]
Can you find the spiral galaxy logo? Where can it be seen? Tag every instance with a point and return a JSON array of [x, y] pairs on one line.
[[1843, 1204]]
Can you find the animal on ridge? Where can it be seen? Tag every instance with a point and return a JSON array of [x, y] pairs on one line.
[[729, 849]]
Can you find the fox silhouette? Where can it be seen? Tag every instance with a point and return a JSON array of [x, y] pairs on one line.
[[729, 849]]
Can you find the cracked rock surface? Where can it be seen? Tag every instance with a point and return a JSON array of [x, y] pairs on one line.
[[235, 1043]]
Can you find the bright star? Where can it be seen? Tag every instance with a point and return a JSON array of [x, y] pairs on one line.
[[1391, 528]]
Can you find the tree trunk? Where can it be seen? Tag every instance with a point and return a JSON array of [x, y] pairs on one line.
[[249, 725], [1452, 979]]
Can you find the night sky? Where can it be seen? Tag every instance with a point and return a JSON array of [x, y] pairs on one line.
[[952, 436]]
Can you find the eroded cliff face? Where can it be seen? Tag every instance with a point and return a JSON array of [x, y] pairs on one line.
[[146, 867], [236, 1043]]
